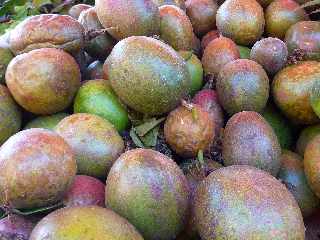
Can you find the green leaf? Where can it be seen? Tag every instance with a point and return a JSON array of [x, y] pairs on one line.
[[8, 6], [150, 139], [135, 138], [143, 129]]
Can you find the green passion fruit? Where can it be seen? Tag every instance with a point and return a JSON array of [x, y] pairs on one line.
[[46, 122], [306, 135], [244, 52], [5, 58]]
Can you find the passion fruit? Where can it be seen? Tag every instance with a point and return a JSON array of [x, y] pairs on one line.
[[46, 122], [206, 39], [178, 3], [77, 9], [306, 135], [5, 58], [31, 169], [15, 227]]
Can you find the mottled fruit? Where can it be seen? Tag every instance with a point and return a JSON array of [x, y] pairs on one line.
[[5, 58], [15, 227], [206, 39], [244, 52], [306, 135], [46, 122]]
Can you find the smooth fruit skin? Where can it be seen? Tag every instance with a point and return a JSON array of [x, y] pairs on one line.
[[292, 175], [217, 54], [175, 28], [241, 20], [280, 15], [5, 58], [15, 227], [85, 191], [125, 18], [10, 115], [202, 14], [97, 97], [83, 223], [242, 202], [270, 53], [101, 46], [188, 131], [47, 31], [150, 190], [306, 135], [94, 141], [291, 91], [46, 122], [312, 164], [249, 140], [36, 168], [242, 85], [43, 81], [305, 35], [148, 75], [77, 9]]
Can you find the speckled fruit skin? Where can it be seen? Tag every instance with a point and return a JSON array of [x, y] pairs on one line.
[[148, 75], [202, 14], [85, 191], [94, 141], [175, 28], [206, 39], [5, 58], [178, 3], [305, 35], [291, 91], [292, 175], [241, 20], [150, 190], [242, 85], [242, 202], [43, 81], [47, 31], [306, 135], [80, 223], [270, 53], [77, 9], [312, 164], [95, 71], [46, 122], [101, 46], [280, 15], [125, 18], [97, 97], [10, 115], [15, 227], [188, 131], [250, 140], [208, 100], [36, 168], [217, 54]]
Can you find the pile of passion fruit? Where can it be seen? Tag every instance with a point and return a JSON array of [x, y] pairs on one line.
[[162, 120]]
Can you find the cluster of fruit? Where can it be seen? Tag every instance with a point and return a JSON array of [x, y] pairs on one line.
[[188, 148]]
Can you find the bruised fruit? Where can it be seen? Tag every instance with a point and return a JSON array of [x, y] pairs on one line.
[[84, 223], [270, 53], [312, 164], [148, 75], [250, 140], [206, 39], [305, 36], [202, 14], [280, 124], [36, 168], [100, 46], [176, 28], [292, 175], [10, 115], [47, 31], [5, 58], [94, 141], [242, 202], [15, 227], [46, 122], [208, 100], [97, 97], [280, 15], [150, 190], [291, 91], [241, 20], [242, 85], [125, 18], [94, 71], [218, 53], [188, 130], [43, 81], [77, 9], [85, 191], [195, 71], [306, 135], [178, 3], [244, 52]]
